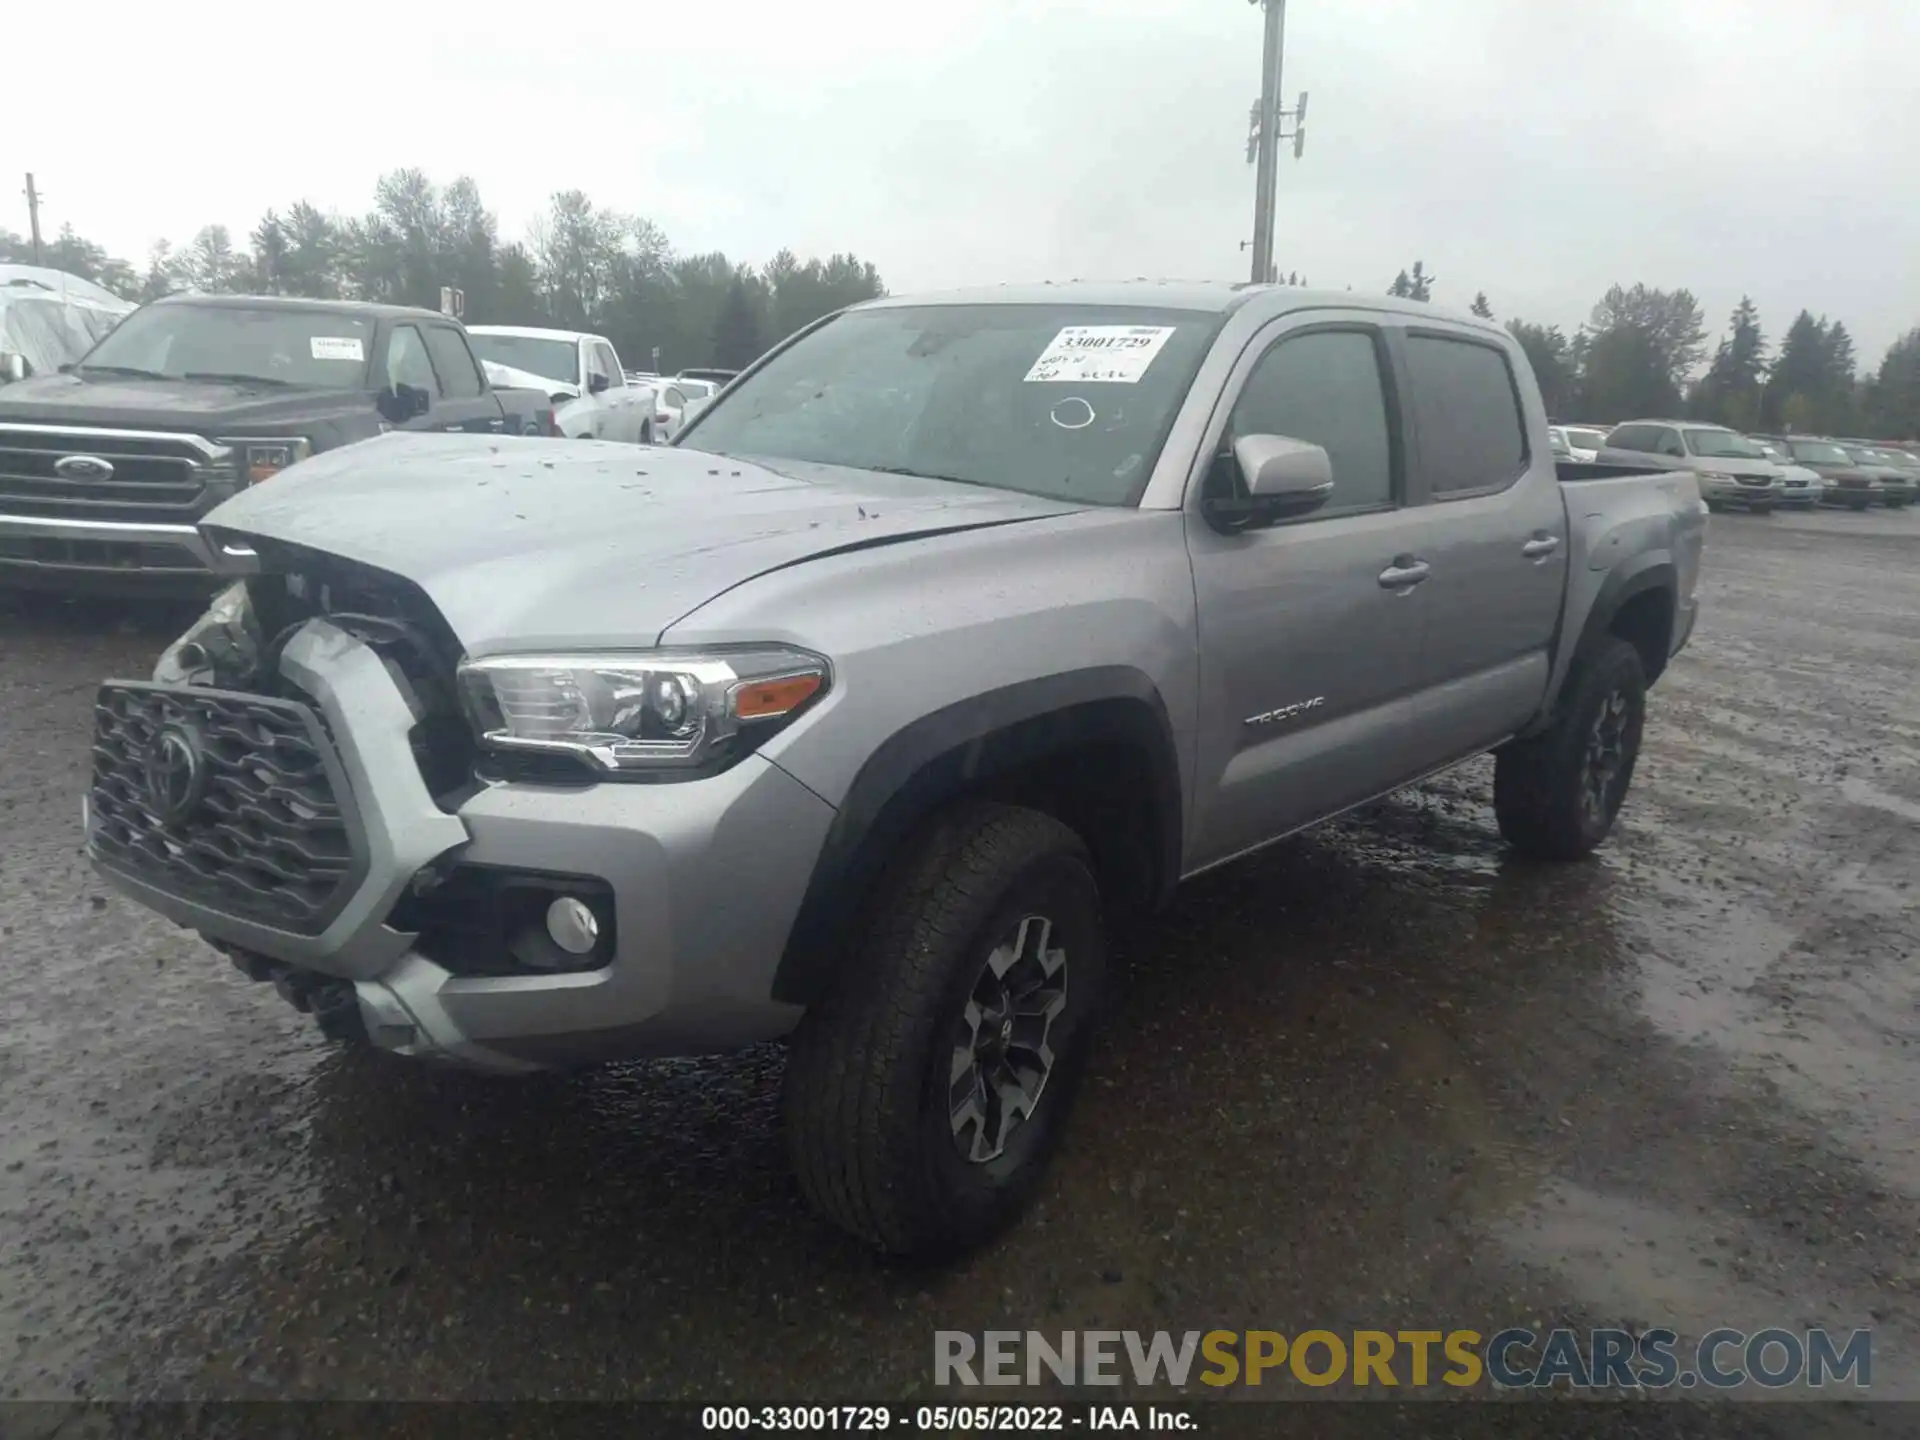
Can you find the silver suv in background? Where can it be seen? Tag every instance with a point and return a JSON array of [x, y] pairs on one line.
[[1731, 469], [948, 632]]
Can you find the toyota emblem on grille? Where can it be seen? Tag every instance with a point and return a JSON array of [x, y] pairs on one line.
[[83, 468], [176, 775]]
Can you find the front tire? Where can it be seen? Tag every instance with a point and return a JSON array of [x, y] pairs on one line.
[[1556, 794], [925, 1095]]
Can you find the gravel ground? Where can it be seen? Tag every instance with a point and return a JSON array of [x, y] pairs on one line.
[[1379, 1077]]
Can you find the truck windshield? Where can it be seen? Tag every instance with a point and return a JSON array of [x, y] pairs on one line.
[[1723, 445], [275, 345], [1587, 439], [552, 359], [1073, 401]]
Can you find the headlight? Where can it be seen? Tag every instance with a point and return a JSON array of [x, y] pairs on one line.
[[1715, 475], [222, 647], [259, 460], [650, 711]]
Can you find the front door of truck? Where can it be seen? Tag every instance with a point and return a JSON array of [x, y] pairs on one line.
[[1310, 629]]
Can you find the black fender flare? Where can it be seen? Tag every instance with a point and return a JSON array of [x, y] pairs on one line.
[[1631, 577], [959, 749]]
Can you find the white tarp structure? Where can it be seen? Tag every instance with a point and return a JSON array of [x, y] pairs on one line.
[[53, 318]]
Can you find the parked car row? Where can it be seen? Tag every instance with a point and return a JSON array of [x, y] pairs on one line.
[[120, 434], [1761, 473]]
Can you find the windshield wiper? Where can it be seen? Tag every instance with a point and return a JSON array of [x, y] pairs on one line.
[[133, 370], [237, 379]]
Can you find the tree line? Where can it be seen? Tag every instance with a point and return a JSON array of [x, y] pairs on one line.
[[1643, 353], [581, 268]]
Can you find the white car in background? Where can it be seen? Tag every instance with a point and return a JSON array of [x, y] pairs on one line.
[[1802, 487], [1579, 443], [592, 397]]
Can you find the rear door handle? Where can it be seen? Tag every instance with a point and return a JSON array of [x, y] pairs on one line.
[[1404, 573], [1540, 546]]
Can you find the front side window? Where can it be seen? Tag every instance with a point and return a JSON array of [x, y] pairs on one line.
[[1071, 401], [1471, 434], [266, 345], [1324, 387], [407, 362]]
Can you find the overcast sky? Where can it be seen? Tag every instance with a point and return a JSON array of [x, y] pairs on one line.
[[1537, 151]]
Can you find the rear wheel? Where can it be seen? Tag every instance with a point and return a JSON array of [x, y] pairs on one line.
[[1556, 794], [925, 1095]]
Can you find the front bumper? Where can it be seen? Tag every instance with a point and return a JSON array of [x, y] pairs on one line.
[[1732, 492], [706, 877], [46, 552]]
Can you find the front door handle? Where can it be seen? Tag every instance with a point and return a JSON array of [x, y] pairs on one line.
[[1540, 546], [1404, 573]]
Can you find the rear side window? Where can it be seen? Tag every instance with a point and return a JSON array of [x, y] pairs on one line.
[[1632, 437], [1471, 435], [453, 363]]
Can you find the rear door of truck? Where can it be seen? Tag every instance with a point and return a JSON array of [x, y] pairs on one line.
[[1481, 466]]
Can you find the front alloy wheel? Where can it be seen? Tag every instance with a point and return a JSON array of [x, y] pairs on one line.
[[1002, 1055]]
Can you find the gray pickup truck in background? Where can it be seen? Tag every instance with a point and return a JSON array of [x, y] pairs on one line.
[[953, 629]]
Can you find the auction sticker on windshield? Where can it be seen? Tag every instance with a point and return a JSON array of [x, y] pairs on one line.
[[1113, 354], [336, 347]]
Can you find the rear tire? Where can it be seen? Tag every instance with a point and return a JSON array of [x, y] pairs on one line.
[[921, 1027], [1556, 794]]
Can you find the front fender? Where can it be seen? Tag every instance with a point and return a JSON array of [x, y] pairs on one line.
[[961, 749]]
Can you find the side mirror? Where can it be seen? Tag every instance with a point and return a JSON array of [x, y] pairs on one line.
[[1281, 477], [402, 403], [13, 367], [597, 383]]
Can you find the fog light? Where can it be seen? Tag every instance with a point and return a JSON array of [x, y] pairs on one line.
[[571, 925]]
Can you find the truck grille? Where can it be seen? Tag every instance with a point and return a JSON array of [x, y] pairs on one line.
[[253, 826], [136, 476]]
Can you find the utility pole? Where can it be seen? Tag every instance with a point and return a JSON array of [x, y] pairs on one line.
[[33, 217], [1266, 128], [1266, 139]]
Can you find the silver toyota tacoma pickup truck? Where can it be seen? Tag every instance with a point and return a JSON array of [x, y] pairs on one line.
[[956, 629]]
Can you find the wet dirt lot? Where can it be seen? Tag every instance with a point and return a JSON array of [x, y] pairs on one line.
[[1379, 1077]]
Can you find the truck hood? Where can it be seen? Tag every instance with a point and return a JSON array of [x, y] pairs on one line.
[[526, 544], [204, 407]]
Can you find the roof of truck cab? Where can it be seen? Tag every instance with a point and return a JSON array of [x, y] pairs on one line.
[[1219, 297], [302, 302], [530, 332]]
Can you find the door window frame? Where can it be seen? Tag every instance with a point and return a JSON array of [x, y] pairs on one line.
[[386, 365], [1297, 326], [1422, 481]]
